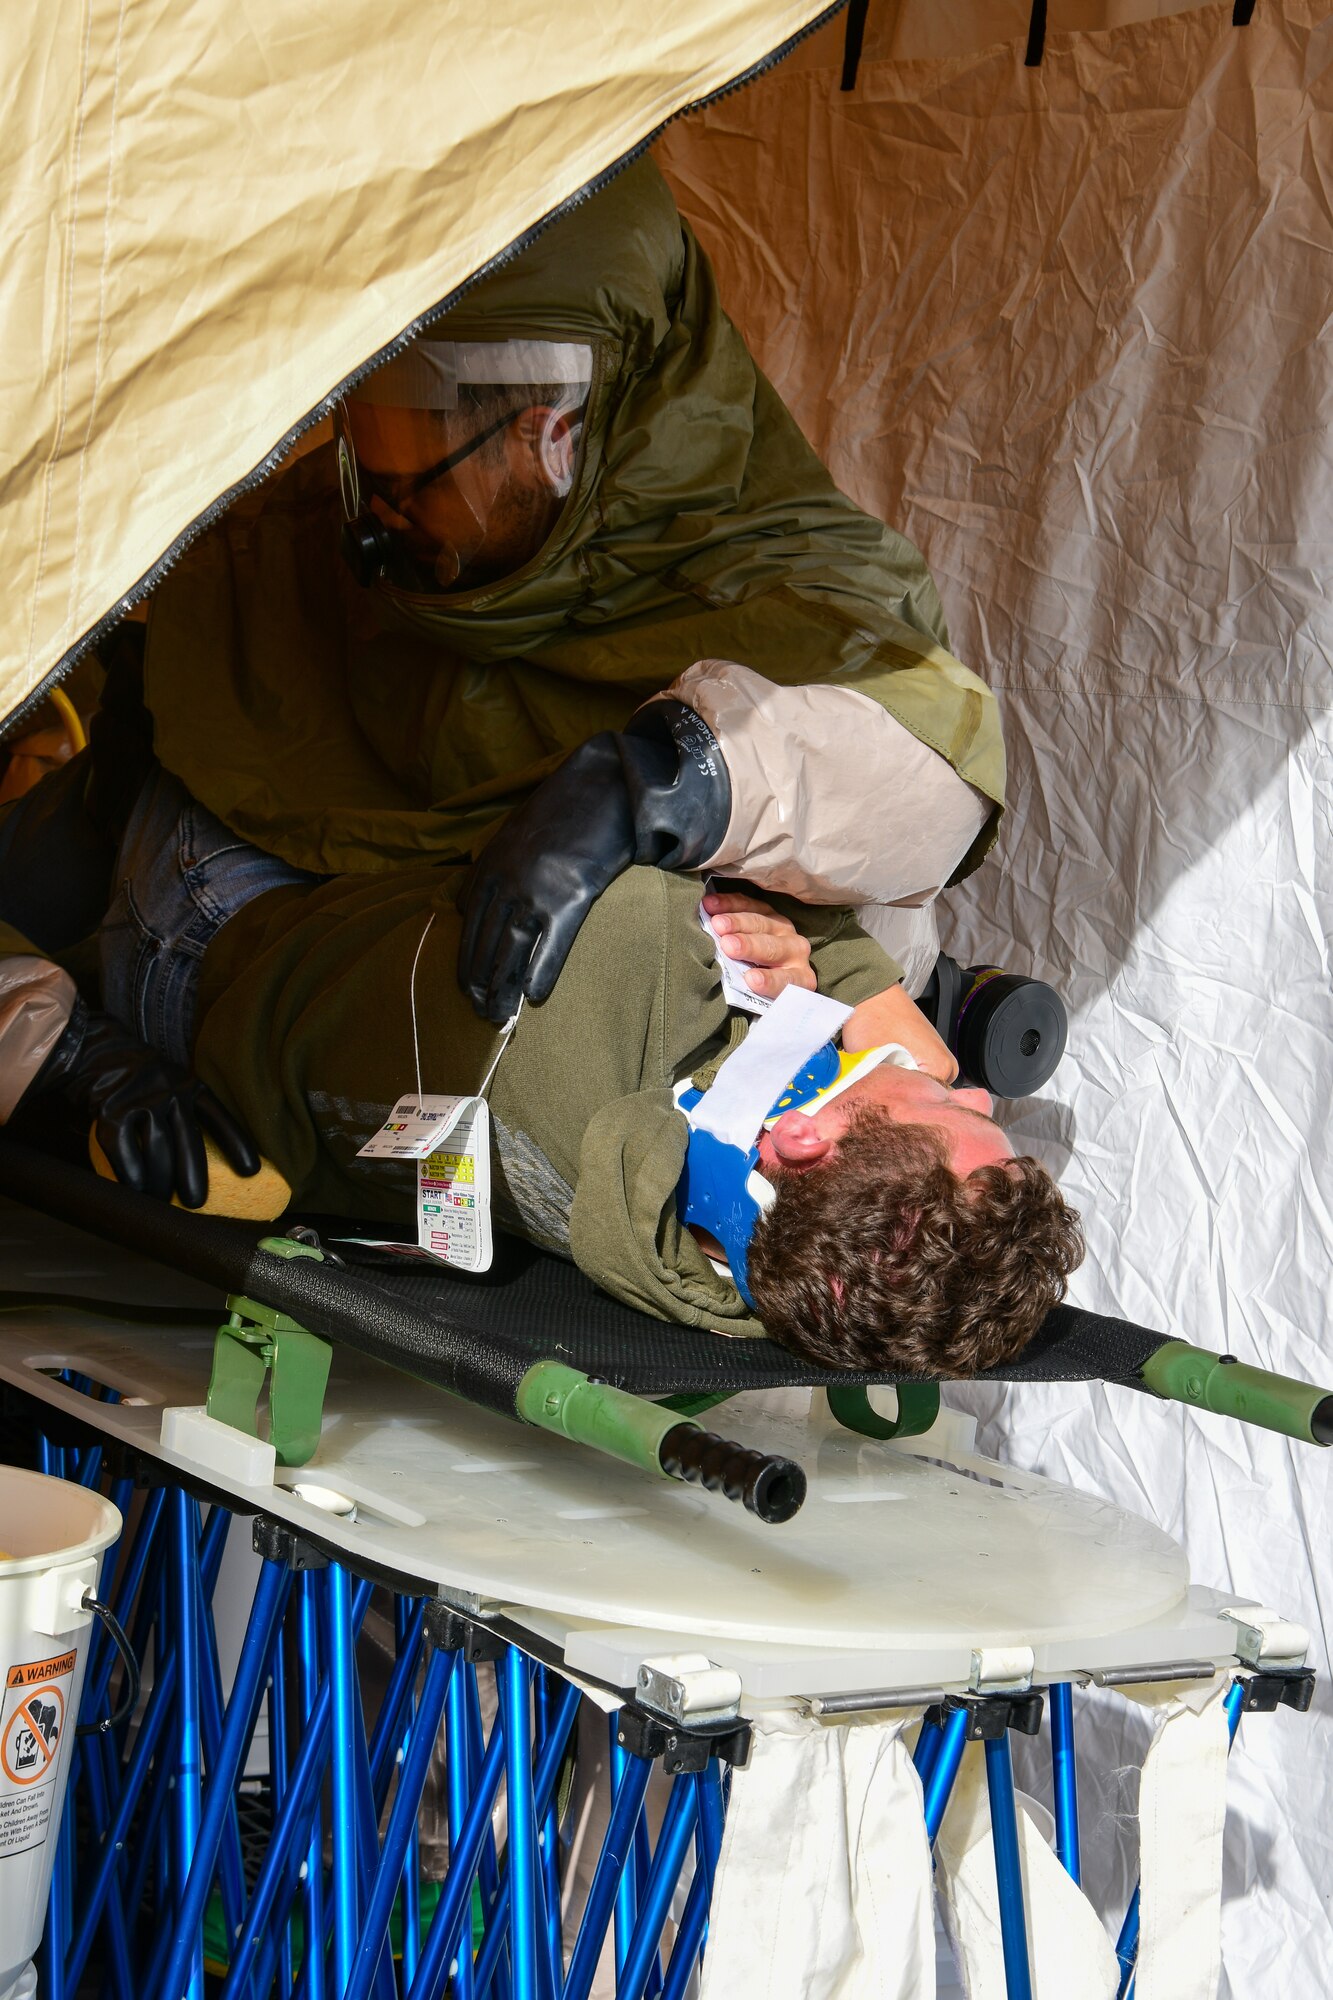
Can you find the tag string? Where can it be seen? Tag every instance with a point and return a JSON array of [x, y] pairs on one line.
[[412, 999], [506, 1032]]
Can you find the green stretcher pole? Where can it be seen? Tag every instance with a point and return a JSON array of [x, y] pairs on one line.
[[1231, 1388], [554, 1397]]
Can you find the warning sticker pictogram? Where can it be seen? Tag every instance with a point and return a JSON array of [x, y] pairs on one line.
[[32, 1729]]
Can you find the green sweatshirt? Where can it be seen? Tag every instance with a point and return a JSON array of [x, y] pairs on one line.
[[306, 1028]]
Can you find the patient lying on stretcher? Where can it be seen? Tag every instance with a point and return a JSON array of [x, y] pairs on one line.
[[892, 1229]]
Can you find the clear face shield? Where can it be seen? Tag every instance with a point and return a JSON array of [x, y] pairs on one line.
[[456, 458]]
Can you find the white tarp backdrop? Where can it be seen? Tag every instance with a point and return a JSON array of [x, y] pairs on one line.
[[1069, 329]]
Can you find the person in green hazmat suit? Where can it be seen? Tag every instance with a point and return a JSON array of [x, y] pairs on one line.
[[596, 604]]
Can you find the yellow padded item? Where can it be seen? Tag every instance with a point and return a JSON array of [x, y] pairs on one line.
[[256, 1199]]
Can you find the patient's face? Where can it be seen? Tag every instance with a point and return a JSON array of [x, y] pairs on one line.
[[961, 1118]]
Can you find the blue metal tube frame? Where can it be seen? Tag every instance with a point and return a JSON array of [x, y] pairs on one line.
[[548, 1768], [346, 1838], [403, 1626], [391, 1723], [457, 1767], [212, 1547], [265, 1613], [1008, 1869], [186, 1807], [521, 1837], [312, 1894], [693, 1927], [122, 1976], [456, 1896], [149, 1602], [689, 1938], [154, 1811], [547, 1830], [655, 1900], [252, 1956], [367, 1843], [170, 1569], [370, 1945], [1127, 1945], [643, 1859], [488, 1866], [626, 1885], [939, 1785], [631, 1785], [213, 1719], [1065, 1779], [929, 1737], [279, 1756], [709, 1835]]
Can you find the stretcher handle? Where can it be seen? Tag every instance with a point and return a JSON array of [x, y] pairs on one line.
[[1219, 1382], [769, 1486], [555, 1397]]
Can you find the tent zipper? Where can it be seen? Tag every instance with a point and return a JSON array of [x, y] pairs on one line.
[[273, 459]]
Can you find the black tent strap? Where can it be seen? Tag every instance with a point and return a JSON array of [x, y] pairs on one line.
[[1242, 13], [855, 36], [1036, 35]]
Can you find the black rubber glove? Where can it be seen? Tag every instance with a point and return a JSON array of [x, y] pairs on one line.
[[656, 794], [150, 1115]]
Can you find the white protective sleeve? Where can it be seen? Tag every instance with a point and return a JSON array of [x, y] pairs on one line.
[[36, 999], [1070, 1955], [1182, 1808], [832, 800], [823, 1888]]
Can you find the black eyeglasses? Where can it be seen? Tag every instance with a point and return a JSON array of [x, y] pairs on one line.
[[394, 488]]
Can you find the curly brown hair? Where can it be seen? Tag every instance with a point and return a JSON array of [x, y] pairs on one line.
[[884, 1258]]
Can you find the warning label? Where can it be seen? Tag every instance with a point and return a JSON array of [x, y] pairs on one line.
[[32, 1722]]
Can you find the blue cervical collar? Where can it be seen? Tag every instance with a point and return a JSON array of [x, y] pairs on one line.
[[713, 1190]]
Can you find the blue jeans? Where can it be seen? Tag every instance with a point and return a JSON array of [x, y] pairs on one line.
[[180, 874]]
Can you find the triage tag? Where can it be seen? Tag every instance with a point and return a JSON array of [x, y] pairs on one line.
[[414, 1127], [733, 970], [454, 1191]]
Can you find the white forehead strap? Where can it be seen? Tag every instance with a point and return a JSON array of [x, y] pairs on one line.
[[426, 375]]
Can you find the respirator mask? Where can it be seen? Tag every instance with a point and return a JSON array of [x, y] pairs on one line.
[[1007, 1031]]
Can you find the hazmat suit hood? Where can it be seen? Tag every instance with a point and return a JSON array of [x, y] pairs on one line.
[[350, 729], [691, 476]]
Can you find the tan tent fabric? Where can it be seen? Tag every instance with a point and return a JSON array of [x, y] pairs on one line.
[[213, 214]]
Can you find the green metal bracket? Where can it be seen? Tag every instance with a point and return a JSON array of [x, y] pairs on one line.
[[918, 1407], [258, 1341], [1232, 1388]]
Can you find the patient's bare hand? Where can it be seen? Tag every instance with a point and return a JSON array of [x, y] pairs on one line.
[[771, 946]]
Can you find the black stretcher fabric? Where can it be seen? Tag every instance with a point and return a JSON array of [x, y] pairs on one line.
[[548, 1305]]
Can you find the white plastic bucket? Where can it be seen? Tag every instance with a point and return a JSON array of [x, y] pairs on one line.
[[51, 1535]]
